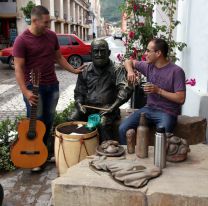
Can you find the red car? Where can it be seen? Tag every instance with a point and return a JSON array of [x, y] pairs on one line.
[[72, 48]]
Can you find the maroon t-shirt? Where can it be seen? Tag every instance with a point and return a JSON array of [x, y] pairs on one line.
[[170, 78], [39, 54]]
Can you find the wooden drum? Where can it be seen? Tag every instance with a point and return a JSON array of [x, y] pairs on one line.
[[71, 148]]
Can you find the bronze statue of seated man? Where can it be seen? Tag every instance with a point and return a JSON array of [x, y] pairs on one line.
[[101, 84]]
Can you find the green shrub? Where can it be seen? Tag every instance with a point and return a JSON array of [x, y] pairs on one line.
[[63, 116], [8, 134]]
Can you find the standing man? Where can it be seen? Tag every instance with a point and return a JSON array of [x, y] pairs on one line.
[[12, 34], [166, 90], [37, 49]]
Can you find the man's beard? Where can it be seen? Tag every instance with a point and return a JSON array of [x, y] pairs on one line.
[[100, 62]]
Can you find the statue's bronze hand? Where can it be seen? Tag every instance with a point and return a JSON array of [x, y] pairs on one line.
[[107, 112], [81, 108]]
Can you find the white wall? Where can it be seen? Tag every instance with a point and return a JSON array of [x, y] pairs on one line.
[[162, 19], [194, 31], [194, 59]]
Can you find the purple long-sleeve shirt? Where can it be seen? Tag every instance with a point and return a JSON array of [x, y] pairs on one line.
[[170, 78]]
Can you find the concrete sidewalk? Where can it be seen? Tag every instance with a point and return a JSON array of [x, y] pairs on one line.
[[24, 188]]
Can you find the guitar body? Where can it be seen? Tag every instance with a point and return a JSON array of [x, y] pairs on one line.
[[29, 152]]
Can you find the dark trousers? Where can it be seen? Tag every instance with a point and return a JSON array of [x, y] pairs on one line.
[[153, 116]]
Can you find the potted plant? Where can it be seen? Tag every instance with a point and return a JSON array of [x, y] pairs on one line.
[[27, 11]]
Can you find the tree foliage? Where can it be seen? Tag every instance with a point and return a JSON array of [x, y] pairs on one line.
[[142, 28]]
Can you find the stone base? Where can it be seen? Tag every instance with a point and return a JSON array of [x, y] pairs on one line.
[[193, 129], [181, 184]]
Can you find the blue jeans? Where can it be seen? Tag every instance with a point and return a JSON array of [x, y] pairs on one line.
[[153, 116], [48, 99]]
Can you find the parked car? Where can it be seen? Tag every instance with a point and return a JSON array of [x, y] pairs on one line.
[[6, 57], [72, 48], [118, 35]]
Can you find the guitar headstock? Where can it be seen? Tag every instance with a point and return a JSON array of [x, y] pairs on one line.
[[35, 77]]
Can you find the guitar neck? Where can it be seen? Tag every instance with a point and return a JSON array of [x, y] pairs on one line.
[[33, 112]]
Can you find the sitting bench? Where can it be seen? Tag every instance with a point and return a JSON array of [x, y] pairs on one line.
[[193, 129]]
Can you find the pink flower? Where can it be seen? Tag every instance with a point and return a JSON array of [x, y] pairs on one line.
[[143, 57], [132, 58], [191, 82], [131, 34], [135, 7], [120, 57], [140, 24], [134, 54]]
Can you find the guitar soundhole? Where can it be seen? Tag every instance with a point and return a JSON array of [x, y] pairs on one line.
[[31, 135]]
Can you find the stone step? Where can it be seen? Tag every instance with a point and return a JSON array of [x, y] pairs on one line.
[[180, 184]]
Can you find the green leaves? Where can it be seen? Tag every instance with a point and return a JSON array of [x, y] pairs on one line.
[[8, 133], [63, 116], [5, 162], [27, 9]]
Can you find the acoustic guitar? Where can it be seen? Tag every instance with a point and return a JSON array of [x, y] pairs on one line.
[[29, 151]]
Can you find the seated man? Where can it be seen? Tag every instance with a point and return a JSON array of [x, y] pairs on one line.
[[165, 92], [103, 85]]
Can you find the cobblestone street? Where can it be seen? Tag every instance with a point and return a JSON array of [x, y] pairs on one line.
[[12, 103], [23, 188]]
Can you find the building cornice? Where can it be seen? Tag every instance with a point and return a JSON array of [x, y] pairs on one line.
[[8, 15], [85, 8]]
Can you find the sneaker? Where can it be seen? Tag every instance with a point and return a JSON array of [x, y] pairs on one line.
[[36, 169], [51, 159]]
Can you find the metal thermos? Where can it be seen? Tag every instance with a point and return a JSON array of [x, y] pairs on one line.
[[160, 148]]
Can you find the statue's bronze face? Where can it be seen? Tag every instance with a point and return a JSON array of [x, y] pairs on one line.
[[100, 53]]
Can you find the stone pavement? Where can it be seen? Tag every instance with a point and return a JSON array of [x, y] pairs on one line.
[[12, 103], [24, 188]]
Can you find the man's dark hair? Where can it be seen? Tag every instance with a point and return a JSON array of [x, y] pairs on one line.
[[38, 11], [161, 44]]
